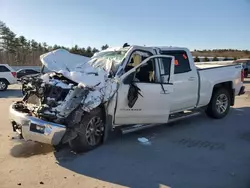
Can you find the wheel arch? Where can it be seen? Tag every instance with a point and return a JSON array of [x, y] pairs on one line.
[[5, 80], [107, 121], [229, 86]]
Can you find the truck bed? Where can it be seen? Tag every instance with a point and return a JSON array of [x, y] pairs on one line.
[[214, 64], [213, 73]]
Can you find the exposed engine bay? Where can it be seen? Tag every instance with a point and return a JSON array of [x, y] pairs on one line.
[[53, 97], [56, 95]]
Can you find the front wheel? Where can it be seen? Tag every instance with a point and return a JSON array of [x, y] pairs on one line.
[[3, 85], [220, 104], [90, 132]]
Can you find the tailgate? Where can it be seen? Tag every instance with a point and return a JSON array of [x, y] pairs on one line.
[[217, 74]]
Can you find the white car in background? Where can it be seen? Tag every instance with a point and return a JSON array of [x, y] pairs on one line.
[[7, 76]]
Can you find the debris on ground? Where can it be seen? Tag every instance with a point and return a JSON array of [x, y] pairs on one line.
[[41, 183], [19, 184], [73, 152], [144, 141]]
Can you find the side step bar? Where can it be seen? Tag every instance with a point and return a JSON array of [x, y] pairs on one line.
[[172, 118]]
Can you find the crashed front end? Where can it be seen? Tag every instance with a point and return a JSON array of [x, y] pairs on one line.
[[54, 104]]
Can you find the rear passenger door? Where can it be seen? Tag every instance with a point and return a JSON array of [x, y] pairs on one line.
[[185, 82]]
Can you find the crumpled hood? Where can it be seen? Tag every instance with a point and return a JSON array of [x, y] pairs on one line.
[[74, 67], [87, 74], [61, 59]]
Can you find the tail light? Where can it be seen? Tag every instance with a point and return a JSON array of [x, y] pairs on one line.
[[242, 75], [13, 74]]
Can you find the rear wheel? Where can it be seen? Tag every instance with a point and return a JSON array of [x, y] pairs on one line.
[[220, 104], [3, 85], [90, 132]]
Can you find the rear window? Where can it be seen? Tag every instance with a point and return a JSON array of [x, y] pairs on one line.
[[30, 71], [181, 61], [4, 69]]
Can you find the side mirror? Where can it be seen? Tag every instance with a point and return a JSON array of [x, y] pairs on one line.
[[133, 94]]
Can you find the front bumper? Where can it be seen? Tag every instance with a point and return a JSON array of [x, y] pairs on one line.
[[35, 129], [242, 90]]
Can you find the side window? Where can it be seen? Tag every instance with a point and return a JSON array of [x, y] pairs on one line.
[[29, 71], [181, 61], [136, 58], [146, 73], [4, 69]]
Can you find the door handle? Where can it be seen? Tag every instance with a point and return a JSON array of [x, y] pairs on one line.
[[191, 78]]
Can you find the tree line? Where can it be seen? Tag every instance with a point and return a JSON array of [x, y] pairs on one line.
[[19, 51]]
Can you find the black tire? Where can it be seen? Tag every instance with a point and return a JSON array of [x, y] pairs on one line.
[[82, 143], [212, 109], [3, 84]]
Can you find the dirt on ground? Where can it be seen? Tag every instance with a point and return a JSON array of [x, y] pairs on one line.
[[193, 153]]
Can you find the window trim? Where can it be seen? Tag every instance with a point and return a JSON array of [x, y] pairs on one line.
[[169, 75]]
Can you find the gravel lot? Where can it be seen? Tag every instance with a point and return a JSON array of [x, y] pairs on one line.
[[194, 153]]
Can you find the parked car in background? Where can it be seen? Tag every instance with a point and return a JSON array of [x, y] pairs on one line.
[[7, 76], [25, 72], [245, 64]]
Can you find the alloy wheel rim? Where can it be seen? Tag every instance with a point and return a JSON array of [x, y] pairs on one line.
[[221, 103], [94, 131], [2, 85]]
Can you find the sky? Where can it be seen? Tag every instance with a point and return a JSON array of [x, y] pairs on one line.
[[195, 24]]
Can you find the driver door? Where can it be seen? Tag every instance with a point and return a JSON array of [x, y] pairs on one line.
[[142, 101]]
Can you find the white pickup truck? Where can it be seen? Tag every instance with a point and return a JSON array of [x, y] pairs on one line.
[[129, 87]]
